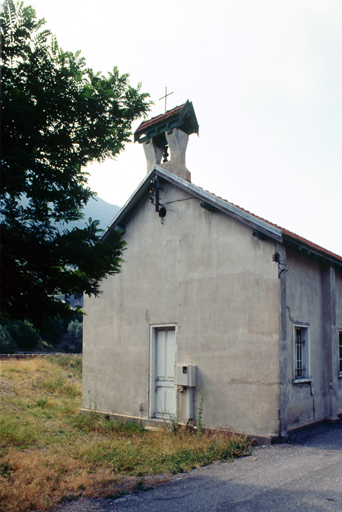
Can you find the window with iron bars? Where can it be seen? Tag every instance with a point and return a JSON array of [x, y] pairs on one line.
[[340, 353], [301, 353]]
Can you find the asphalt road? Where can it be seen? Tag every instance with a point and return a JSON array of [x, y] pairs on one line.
[[302, 475]]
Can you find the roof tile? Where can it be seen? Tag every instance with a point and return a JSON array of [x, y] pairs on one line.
[[155, 120], [287, 232]]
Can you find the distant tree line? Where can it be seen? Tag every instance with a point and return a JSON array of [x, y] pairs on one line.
[[21, 336]]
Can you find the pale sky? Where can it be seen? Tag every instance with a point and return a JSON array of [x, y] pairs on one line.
[[265, 79]]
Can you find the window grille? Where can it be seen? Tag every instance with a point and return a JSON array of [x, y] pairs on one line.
[[340, 353], [299, 367]]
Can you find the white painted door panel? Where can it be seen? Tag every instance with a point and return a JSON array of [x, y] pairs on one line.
[[165, 358]]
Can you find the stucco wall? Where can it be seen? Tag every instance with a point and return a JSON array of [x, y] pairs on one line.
[[313, 292], [206, 273], [339, 329]]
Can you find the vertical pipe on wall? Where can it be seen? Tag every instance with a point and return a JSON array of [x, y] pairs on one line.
[[190, 403]]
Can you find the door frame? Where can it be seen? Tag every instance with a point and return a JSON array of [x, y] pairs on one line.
[[153, 329]]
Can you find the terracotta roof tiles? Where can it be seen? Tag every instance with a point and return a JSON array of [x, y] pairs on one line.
[[287, 232], [155, 120]]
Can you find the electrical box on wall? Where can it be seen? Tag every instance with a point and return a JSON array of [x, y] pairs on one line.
[[186, 375]]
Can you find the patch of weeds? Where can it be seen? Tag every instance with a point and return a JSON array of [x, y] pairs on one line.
[[189, 428], [92, 422], [176, 469], [174, 423], [115, 496], [59, 386], [21, 435], [72, 364], [124, 463], [126, 427], [69, 497], [200, 412], [240, 448], [140, 486], [54, 385], [89, 422], [70, 407], [41, 401], [71, 390], [229, 446], [5, 470], [12, 369]]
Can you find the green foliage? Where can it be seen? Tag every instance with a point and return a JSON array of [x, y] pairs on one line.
[[60, 386], [7, 343], [42, 401], [5, 470], [58, 116], [44, 346], [93, 422], [57, 329], [200, 411], [75, 330], [74, 335], [23, 334], [172, 423], [71, 365]]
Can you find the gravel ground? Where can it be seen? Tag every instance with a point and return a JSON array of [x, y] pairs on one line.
[[302, 474]]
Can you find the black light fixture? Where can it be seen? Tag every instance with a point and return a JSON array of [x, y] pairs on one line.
[[162, 212], [207, 206]]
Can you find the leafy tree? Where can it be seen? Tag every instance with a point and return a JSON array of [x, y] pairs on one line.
[[57, 329], [23, 334], [75, 331], [58, 116], [7, 344], [73, 337]]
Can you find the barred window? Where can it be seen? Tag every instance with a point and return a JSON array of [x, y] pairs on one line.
[[301, 353], [340, 353]]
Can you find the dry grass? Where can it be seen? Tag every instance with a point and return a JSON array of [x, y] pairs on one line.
[[50, 453]]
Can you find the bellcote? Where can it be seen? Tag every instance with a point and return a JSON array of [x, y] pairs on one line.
[[169, 131]]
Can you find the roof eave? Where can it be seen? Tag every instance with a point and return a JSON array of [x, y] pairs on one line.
[[220, 204], [122, 217], [311, 251], [272, 232], [124, 214]]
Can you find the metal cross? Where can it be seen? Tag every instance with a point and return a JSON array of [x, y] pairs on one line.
[[166, 95]]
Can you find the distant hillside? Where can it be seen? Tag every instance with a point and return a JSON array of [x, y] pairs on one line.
[[97, 209]]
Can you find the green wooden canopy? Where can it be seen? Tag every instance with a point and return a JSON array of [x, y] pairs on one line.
[[182, 117]]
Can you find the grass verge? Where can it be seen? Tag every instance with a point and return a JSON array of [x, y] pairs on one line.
[[50, 453]]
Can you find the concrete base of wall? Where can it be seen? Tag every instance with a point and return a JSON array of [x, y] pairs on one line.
[[314, 424], [156, 423], [144, 422], [332, 421]]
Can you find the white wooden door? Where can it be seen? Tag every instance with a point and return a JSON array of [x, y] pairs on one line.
[[164, 374]]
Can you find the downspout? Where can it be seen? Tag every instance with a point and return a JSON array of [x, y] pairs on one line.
[[280, 258]]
